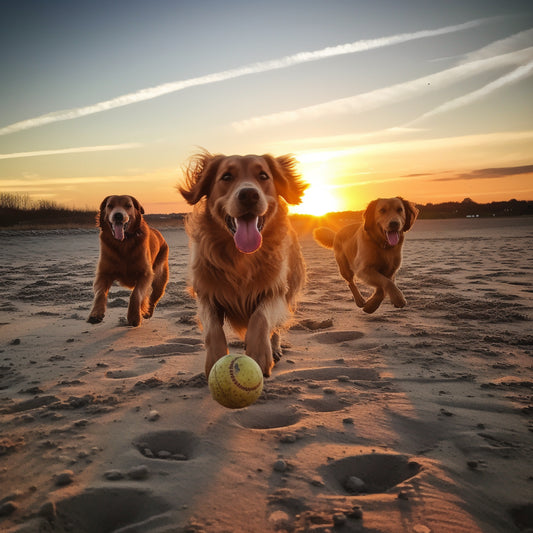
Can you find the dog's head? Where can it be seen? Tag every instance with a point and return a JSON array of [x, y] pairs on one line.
[[242, 193], [121, 214], [385, 219]]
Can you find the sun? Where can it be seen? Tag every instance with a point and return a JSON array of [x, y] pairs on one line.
[[318, 198]]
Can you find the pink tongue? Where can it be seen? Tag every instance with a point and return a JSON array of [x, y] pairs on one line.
[[118, 231], [247, 238], [393, 237]]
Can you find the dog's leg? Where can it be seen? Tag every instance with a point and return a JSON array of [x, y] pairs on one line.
[[374, 301], [396, 296], [348, 274], [139, 299], [158, 285], [262, 336], [384, 286], [212, 320], [257, 341], [275, 343], [357, 296], [101, 288]]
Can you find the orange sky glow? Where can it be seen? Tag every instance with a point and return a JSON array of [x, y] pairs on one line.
[[430, 104]]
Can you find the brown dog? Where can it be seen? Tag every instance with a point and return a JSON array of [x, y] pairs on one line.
[[372, 252], [246, 265], [132, 253]]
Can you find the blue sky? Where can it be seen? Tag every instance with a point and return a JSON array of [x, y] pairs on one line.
[[424, 99]]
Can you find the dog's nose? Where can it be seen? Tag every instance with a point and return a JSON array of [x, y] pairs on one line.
[[394, 225], [118, 217], [248, 196]]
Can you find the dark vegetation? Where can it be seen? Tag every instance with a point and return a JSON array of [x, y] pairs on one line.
[[19, 211]]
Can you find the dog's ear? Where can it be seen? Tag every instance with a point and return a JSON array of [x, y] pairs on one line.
[[199, 176], [411, 212], [137, 205], [288, 181], [369, 216], [100, 216]]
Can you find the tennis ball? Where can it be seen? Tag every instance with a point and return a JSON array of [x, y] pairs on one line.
[[235, 381]]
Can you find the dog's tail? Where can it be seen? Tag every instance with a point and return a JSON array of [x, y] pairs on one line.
[[324, 237]]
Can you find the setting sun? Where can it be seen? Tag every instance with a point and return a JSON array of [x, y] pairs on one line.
[[319, 198]]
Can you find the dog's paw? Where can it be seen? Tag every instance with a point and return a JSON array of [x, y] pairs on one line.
[[134, 319], [95, 319], [370, 307], [398, 299], [277, 355]]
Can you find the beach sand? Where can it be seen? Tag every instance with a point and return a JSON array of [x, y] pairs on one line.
[[408, 420]]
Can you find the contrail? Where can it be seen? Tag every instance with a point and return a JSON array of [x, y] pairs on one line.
[[255, 68], [80, 149], [387, 95], [512, 77]]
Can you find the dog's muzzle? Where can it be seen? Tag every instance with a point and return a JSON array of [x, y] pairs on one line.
[[119, 226], [246, 231]]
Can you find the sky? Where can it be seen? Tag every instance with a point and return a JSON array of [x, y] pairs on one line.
[[428, 100]]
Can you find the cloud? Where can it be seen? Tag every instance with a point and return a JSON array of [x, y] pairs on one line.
[[78, 150], [488, 173], [395, 93], [255, 68], [516, 41], [512, 77]]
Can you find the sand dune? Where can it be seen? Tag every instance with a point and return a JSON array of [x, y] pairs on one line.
[[412, 420]]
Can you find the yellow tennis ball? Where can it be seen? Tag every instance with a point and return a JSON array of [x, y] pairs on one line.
[[235, 381]]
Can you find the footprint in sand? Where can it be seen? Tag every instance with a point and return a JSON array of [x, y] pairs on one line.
[[110, 509], [336, 383], [172, 445], [179, 346], [335, 337], [369, 473], [267, 416], [330, 373]]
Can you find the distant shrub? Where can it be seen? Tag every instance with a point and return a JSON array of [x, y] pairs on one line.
[[21, 210]]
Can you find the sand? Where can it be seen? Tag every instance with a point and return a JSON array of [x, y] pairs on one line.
[[408, 420]]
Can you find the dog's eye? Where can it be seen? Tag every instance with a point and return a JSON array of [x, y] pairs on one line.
[[128, 206], [226, 177], [400, 209], [382, 210], [263, 175]]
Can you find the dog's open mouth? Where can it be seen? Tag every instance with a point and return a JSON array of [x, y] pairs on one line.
[[393, 237], [246, 231], [119, 230]]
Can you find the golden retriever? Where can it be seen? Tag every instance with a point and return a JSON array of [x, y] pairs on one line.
[[372, 251], [132, 253], [246, 265]]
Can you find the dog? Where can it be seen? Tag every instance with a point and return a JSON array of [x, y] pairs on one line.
[[246, 265], [372, 251], [132, 253]]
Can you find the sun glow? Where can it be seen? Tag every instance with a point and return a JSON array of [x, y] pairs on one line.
[[319, 198]]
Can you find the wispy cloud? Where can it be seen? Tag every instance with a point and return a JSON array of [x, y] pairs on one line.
[[77, 150], [512, 77], [398, 92], [254, 68], [517, 41], [350, 147], [33, 182], [488, 173]]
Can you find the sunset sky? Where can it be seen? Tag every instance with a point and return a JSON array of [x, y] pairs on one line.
[[429, 100]]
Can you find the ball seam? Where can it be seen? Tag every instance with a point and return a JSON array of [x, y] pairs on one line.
[[234, 379]]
